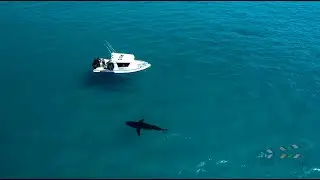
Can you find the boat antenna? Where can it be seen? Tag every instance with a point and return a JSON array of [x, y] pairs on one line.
[[109, 47]]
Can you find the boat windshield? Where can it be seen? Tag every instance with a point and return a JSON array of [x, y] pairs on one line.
[[123, 64]]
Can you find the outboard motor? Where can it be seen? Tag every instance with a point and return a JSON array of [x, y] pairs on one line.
[[96, 63]]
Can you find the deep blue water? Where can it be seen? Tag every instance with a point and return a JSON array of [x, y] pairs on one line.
[[228, 80]]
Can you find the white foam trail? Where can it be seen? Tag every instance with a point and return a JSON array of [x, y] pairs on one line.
[[180, 171], [221, 162], [202, 170], [201, 164]]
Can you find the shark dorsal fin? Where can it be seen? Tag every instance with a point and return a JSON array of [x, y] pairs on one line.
[[141, 121]]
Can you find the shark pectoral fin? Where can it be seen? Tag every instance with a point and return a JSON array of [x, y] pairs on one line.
[[138, 131], [140, 121]]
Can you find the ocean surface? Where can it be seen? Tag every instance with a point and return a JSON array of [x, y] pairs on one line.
[[228, 79]]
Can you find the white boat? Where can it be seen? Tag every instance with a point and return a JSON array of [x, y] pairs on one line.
[[118, 63]]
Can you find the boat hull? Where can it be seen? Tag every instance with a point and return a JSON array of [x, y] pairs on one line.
[[136, 66]]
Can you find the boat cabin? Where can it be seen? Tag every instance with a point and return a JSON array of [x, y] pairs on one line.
[[121, 59], [117, 57]]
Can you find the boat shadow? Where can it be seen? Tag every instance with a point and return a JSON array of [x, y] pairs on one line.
[[107, 81]]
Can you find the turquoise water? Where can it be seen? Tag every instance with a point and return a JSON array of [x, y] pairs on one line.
[[228, 80]]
